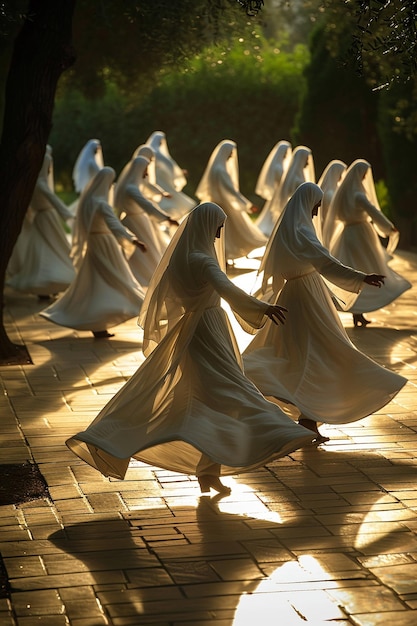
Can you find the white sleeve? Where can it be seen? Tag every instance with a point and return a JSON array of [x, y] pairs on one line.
[[55, 202], [382, 223], [331, 268], [114, 224], [147, 205], [249, 309]]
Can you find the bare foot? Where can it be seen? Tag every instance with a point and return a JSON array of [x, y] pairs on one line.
[[312, 425]]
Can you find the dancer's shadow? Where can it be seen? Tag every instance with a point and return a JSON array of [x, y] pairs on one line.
[[365, 497], [385, 344], [75, 368], [159, 563], [212, 560]]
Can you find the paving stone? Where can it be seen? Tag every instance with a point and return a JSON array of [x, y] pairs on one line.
[[394, 618], [324, 535]]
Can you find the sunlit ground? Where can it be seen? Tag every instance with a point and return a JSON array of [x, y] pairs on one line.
[[324, 536]]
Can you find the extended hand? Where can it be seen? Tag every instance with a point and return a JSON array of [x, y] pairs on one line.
[[139, 244], [376, 280], [276, 313]]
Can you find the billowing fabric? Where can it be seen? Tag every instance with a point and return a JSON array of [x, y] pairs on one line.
[[220, 184], [41, 263], [142, 217], [352, 227], [328, 183], [170, 177], [310, 364], [104, 292], [268, 183], [189, 406]]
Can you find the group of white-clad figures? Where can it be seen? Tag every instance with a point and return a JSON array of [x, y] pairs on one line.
[[143, 247]]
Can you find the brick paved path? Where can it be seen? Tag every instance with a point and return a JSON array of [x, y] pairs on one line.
[[326, 536]]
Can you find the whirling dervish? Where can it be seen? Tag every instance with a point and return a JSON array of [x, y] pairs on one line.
[[328, 183], [310, 366], [171, 177], [189, 407], [87, 164], [89, 161], [268, 183], [142, 217], [352, 227], [300, 170], [44, 267], [150, 188], [220, 184], [104, 292]]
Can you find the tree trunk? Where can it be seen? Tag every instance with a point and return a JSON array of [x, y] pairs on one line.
[[42, 51]]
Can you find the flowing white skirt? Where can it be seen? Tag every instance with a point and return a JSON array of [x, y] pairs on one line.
[[358, 246], [104, 292], [267, 218], [45, 265], [311, 363], [178, 205], [188, 406], [241, 234]]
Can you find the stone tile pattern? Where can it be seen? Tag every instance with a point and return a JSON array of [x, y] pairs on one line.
[[325, 536]]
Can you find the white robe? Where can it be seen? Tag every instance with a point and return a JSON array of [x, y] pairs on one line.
[[41, 263], [357, 244], [241, 233], [104, 292], [268, 184], [189, 405], [170, 177], [310, 362], [143, 218]]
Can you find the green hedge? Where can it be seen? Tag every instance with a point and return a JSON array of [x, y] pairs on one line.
[[250, 98]]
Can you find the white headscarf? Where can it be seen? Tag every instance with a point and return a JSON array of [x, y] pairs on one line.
[[147, 152], [51, 181], [358, 181], [44, 177], [293, 235], [224, 156], [96, 191], [166, 167], [300, 169], [328, 183], [273, 169], [132, 174], [88, 162], [174, 290]]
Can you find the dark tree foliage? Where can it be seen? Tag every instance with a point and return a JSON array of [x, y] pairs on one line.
[[386, 39], [337, 117], [382, 33], [130, 42], [42, 51], [112, 37]]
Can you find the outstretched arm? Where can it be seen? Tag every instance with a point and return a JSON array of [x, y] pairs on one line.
[[276, 313], [249, 310], [376, 280]]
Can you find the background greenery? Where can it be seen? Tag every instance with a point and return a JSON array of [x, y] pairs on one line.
[[234, 94], [296, 72]]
